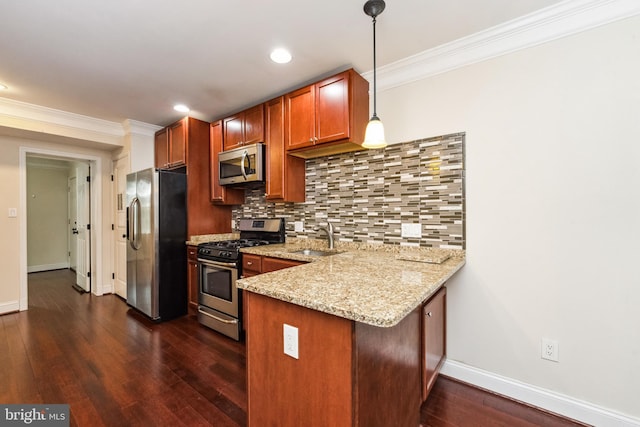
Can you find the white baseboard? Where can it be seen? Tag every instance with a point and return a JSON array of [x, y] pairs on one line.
[[548, 400], [46, 267], [9, 307]]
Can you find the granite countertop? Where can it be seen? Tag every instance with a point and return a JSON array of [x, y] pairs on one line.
[[203, 238], [373, 284]]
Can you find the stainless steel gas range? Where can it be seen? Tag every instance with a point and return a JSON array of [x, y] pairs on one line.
[[220, 265]]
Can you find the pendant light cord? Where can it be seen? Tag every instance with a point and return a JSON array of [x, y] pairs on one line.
[[374, 68]]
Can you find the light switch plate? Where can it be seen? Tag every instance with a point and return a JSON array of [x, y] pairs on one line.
[[411, 230], [290, 340]]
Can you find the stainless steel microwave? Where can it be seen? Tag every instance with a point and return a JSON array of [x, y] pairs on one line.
[[244, 165]]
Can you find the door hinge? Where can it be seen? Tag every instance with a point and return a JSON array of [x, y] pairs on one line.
[[111, 178], [88, 274], [88, 179], [88, 226], [113, 227], [113, 275]]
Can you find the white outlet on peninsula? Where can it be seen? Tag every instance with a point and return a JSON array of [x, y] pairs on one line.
[[298, 226], [411, 230], [290, 340]]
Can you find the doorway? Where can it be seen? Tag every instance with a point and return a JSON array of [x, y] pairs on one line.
[[58, 212], [87, 193]]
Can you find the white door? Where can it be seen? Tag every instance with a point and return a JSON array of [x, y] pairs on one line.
[[120, 170], [73, 224], [83, 247]]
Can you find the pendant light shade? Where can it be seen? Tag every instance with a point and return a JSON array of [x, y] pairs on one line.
[[374, 134]]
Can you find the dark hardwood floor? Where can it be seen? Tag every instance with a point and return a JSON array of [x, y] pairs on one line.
[[115, 368]]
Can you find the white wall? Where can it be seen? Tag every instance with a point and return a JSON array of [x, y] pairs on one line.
[[553, 207], [47, 215]]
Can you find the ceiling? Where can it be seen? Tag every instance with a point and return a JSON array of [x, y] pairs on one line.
[[135, 59]]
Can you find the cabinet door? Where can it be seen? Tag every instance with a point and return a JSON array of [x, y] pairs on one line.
[[161, 148], [219, 193], [192, 278], [178, 143], [254, 125], [433, 339], [332, 109], [300, 111], [233, 131], [275, 149]]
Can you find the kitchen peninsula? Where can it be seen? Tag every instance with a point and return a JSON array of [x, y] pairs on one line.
[[357, 317]]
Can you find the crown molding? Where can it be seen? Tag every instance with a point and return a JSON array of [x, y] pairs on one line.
[[551, 23], [43, 116], [140, 128]]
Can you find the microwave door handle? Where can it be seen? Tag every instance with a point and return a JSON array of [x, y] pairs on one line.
[[245, 157]]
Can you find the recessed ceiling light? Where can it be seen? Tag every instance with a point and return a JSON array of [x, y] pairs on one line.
[[3, 87], [280, 56], [181, 107]]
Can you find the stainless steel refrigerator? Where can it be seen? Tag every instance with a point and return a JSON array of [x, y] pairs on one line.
[[156, 236]]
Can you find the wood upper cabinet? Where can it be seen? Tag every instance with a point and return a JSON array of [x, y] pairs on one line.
[[162, 149], [246, 127], [178, 143], [433, 339], [192, 278], [328, 117], [285, 174], [171, 146], [219, 193], [301, 114]]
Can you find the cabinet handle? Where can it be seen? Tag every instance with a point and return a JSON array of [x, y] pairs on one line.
[[429, 314], [310, 139], [249, 263]]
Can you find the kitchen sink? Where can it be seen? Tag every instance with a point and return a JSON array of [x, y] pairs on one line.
[[314, 252]]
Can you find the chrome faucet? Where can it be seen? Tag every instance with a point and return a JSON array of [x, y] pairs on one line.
[[329, 230]]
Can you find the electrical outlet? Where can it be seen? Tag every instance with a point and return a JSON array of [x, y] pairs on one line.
[[13, 212], [549, 349], [233, 225], [298, 226], [290, 340], [411, 230]]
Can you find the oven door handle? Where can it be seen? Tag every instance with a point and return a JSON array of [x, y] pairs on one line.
[[216, 263], [230, 322]]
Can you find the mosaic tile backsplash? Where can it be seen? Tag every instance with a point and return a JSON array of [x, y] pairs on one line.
[[368, 195]]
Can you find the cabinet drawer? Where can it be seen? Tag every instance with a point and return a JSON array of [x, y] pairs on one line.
[[273, 264], [251, 265]]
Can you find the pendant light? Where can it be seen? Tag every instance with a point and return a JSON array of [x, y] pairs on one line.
[[374, 134]]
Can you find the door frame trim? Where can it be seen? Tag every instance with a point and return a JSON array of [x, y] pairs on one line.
[[95, 219]]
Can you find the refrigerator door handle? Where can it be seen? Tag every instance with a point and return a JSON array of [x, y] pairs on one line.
[[134, 220]]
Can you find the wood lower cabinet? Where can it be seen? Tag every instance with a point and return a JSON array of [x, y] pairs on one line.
[[328, 117], [258, 264], [346, 374], [251, 265], [274, 264], [433, 339], [220, 194], [192, 278], [285, 174]]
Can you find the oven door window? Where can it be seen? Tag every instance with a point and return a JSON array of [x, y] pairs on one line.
[[218, 288], [218, 283]]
